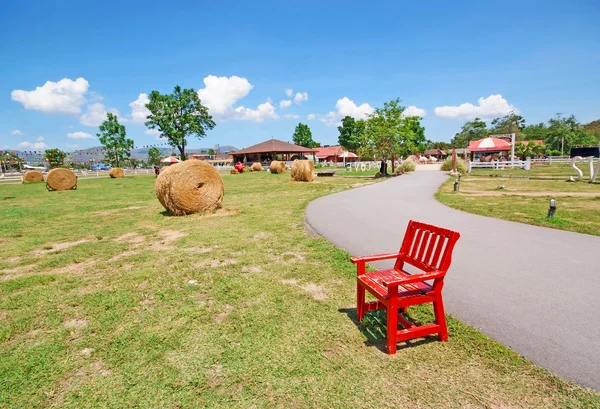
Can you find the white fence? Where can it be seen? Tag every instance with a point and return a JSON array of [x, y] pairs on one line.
[[524, 164]]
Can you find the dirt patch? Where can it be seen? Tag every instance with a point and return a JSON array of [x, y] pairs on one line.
[[87, 352], [214, 263], [224, 314], [289, 281], [252, 269], [10, 273], [75, 324], [221, 213], [214, 375], [113, 211], [291, 256], [316, 291], [54, 247], [123, 255], [167, 237], [198, 250], [263, 235], [132, 238]]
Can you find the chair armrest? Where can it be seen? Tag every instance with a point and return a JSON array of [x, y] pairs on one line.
[[415, 278], [375, 257]]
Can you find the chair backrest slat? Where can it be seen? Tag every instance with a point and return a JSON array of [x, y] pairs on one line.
[[428, 247]]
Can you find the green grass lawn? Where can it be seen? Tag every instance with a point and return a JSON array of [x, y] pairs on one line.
[[527, 201], [106, 301], [562, 170]]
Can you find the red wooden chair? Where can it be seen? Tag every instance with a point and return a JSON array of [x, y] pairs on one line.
[[429, 249]]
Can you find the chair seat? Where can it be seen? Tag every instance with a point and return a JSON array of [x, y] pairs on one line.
[[375, 279]]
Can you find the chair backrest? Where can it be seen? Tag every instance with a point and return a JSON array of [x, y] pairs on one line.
[[427, 247]]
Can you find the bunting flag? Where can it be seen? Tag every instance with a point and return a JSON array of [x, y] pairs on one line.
[[79, 156]]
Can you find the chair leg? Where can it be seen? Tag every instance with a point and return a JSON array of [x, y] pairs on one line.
[[392, 329], [440, 317], [360, 301]]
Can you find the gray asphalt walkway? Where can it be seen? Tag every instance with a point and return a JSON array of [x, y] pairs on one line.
[[534, 289]]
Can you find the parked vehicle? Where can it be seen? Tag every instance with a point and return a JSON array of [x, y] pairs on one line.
[[101, 166]]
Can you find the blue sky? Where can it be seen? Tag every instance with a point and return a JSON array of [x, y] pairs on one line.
[[338, 58]]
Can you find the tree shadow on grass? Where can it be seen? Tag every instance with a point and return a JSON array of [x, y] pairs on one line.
[[373, 327]]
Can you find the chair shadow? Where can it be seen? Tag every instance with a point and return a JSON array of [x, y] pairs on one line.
[[373, 327]]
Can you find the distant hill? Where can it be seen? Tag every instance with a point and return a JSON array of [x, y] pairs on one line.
[[96, 153]]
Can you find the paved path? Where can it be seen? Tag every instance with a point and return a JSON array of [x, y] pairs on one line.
[[534, 289]]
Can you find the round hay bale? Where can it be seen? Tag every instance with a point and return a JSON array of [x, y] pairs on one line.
[[189, 187], [33, 176], [303, 171], [277, 167], [116, 173], [257, 167], [234, 172], [61, 179]]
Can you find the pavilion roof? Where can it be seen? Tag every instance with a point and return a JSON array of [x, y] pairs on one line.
[[273, 146]]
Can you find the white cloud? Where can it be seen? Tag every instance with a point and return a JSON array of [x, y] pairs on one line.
[[285, 103], [289, 92], [414, 111], [264, 111], [79, 135], [310, 117], [490, 107], [17, 132], [36, 145], [40, 139], [346, 107], [71, 146], [300, 96], [221, 93], [139, 112], [96, 114], [153, 132], [63, 97], [291, 116]]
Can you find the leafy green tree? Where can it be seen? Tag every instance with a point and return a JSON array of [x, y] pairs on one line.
[[566, 132], [470, 131], [593, 128], [154, 156], [385, 132], [134, 162], [211, 152], [351, 133], [8, 160], [303, 136], [445, 146], [511, 123], [414, 137], [178, 116], [113, 137], [55, 157], [533, 132]]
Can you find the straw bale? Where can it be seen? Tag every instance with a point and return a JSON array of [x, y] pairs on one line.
[[277, 167], [33, 176], [61, 179], [303, 171], [189, 187], [257, 167], [234, 171], [116, 173]]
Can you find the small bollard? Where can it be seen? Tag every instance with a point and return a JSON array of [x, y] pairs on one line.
[[552, 208], [456, 188]]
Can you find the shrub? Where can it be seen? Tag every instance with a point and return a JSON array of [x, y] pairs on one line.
[[461, 165], [408, 166]]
